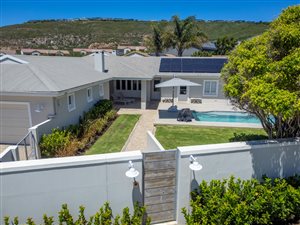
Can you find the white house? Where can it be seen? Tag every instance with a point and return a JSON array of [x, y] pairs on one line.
[[34, 89]]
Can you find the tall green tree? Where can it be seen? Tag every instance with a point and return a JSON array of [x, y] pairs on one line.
[[154, 42], [225, 45], [184, 34], [262, 76]]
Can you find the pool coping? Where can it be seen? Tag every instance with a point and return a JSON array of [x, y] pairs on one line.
[[208, 124]]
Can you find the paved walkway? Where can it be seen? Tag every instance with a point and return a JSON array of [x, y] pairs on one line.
[[138, 138]]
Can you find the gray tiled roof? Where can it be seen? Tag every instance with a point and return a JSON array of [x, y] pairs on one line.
[[51, 75]]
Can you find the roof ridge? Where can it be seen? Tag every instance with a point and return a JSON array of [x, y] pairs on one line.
[[47, 82]]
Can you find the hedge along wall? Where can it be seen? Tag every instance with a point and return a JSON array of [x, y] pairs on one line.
[[241, 159], [32, 188]]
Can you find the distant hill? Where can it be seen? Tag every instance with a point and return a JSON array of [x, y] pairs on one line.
[[67, 34]]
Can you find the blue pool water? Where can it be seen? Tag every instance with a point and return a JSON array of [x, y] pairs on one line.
[[230, 117]]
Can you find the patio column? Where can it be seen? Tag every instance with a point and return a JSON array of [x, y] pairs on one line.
[[143, 94]]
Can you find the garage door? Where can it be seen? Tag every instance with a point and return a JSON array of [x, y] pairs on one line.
[[14, 122]]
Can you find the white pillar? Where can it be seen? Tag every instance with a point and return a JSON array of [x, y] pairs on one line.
[[144, 94]]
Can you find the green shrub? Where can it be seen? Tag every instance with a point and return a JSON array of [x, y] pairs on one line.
[[103, 217], [244, 202], [68, 142], [50, 144]]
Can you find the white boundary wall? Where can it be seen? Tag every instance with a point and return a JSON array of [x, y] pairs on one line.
[[241, 159], [32, 188]]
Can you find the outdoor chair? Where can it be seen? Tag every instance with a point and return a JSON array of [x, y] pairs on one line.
[[118, 98]]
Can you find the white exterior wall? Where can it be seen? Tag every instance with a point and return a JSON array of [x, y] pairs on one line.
[[32, 188], [64, 118], [241, 159], [195, 92]]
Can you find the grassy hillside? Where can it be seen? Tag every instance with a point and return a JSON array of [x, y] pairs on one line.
[[69, 34]]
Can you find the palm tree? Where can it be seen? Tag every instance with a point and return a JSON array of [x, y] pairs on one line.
[[154, 43], [184, 34]]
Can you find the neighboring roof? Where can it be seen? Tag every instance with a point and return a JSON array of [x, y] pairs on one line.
[[208, 46], [132, 53], [133, 48], [44, 51], [89, 50]]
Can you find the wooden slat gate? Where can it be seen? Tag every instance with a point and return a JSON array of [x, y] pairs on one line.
[[160, 185]]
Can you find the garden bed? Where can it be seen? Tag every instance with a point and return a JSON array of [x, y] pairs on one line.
[[115, 136]]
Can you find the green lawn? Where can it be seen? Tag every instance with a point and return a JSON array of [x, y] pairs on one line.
[[174, 136], [116, 136]]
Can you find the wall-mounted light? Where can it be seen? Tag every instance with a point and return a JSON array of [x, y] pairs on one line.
[[39, 108], [195, 165], [132, 172]]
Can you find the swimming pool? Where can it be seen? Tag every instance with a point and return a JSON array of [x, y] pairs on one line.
[[229, 117]]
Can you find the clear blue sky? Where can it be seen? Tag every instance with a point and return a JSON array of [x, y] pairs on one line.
[[19, 11]]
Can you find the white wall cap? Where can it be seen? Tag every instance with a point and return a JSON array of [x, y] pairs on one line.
[[69, 161], [235, 146]]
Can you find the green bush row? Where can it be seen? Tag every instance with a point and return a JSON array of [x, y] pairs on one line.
[[69, 141], [232, 201], [103, 217]]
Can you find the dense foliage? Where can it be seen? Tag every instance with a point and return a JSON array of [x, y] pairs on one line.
[[155, 42], [225, 45], [183, 34], [103, 217], [77, 137], [202, 53], [245, 202], [262, 76]]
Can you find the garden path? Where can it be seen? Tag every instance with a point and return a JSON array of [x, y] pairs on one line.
[[138, 138]]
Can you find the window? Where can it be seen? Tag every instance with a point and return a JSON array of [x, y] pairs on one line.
[[101, 90], [210, 88], [134, 85], [155, 83], [182, 90], [123, 84], [89, 94], [129, 85], [71, 102], [118, 84], [140, 85]]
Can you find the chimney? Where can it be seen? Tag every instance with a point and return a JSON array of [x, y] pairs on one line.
[[99, 61]]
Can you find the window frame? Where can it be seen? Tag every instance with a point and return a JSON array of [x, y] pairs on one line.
[[217, 88], [89, 98], [71, 107]]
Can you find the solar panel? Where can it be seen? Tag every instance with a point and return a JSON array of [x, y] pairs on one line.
[[192, 65]]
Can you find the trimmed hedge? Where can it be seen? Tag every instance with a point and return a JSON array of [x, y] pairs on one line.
[[77, 137], [249, 202], [103, 217]]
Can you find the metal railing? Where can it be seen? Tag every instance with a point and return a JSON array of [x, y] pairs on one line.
[[26, 148]]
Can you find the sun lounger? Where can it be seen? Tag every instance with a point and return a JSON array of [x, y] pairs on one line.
[[185, 115]]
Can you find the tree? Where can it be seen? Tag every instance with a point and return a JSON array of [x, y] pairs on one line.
[[184, 34], [225, 45], [262, 76], [154, 43]]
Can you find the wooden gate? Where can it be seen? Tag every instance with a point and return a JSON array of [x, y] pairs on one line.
[[160, 185]]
